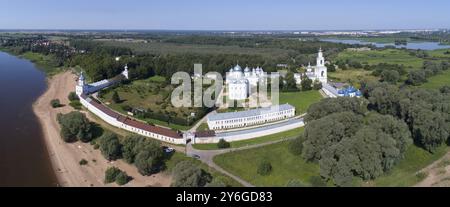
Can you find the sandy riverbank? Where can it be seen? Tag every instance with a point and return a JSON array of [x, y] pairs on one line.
[[65, 157]]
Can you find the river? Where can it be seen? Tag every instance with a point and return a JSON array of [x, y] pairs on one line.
[[410, 45], [24, 159]]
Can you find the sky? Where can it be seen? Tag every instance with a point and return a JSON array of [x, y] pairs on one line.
[[224, 14]]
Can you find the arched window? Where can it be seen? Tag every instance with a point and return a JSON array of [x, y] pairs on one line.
[[323, 72]]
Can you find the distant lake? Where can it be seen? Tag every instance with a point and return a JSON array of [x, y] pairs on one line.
[[24, 159], [410, 45]]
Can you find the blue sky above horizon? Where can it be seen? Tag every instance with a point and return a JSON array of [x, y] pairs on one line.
[[224, 15]]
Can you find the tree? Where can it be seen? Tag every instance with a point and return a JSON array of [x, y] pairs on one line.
[[429, 128], [306, 84], [74, 126], [110, 146], [390, 76], [333, 105], [131, 147], [216, 183], [188, 174], [416, 78], [385, 99], [317, 85], [264, 168], [73, 96], [115, 97], [331, 67], [223, 144], [289, 84], [296, 146], [111, 174], [55, 103], [145, 163], [122, 178]]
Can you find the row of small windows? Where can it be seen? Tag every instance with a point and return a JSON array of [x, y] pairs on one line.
[[255, 117]]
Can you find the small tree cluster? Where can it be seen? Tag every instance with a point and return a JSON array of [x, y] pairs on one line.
[[223, 144], [75, 126], [55, 103], [114, 174], [188, 174]]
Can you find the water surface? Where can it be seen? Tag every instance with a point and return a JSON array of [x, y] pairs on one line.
[[24, 159]]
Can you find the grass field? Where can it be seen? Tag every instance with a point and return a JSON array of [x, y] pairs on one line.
[[300, 100], [352, 76], [438, 81], [274, 137], [179, 157], [443, 53], [151, 93], [404, 173], [285, 165], [390, 56]]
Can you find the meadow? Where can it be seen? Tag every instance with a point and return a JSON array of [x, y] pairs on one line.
[[287, 166], [148, 94], [389, 56]]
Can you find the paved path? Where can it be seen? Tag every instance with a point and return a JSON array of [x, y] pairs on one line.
[[207, 157]]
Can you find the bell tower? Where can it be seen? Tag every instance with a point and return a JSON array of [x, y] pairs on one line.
[[321, 69], [320, 58], [80, 88]]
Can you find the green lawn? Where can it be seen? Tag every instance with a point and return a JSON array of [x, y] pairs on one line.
[[390, 56], [203, 127], [404, 174], [149, 94], [300, 100], [285, 165], [179, 157], [352, 76], [442, 53], [437, 81], [283, 135]]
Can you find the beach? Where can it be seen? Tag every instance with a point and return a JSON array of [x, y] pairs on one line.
[[65, 157]]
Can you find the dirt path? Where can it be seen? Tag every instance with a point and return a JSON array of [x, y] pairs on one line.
[[65, 157], [438, 173]]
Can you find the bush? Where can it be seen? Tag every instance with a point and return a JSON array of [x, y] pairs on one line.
[[317, 85], [421, 176], [73, 97], [55, 103], [264, 168], [317, 181], [111, 174], [294, 183], [83, 162], [115, 97], [296, 146], [122, 178], [76, 105], [223, 144]]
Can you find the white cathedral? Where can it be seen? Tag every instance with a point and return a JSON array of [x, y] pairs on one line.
[[240, 82]]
